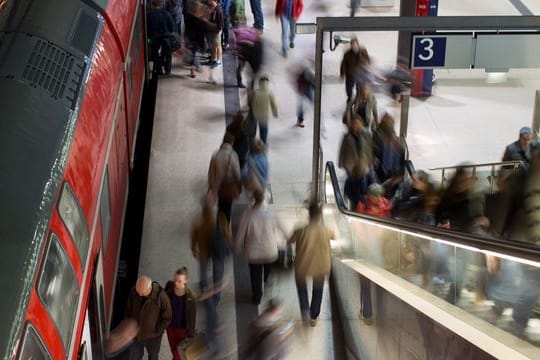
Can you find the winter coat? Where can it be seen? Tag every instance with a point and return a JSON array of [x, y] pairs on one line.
[[257, 236], [224, 167], [153, 314], [297, 7], [355, 154], [159, 23], [370, 207], [313, 257], [262, 100], [350, 65]]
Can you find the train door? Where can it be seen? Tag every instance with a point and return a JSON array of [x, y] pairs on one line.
[[94, 331]]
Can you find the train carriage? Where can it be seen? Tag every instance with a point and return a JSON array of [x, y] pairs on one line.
[[71, 79]]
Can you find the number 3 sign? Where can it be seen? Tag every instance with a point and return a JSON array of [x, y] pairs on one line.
[[428, 51]]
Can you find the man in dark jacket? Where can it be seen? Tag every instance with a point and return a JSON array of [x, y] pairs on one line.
[[149, 305], [159, 25], [351, 66], [184, 310], [522, 149]]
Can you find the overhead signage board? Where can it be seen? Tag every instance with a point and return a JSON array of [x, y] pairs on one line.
[[453, 51], [507, 51]]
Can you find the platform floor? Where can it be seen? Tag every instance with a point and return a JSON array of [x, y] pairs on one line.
[[465, 119]]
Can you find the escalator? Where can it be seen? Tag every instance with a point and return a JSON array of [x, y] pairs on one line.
[[434, 293]]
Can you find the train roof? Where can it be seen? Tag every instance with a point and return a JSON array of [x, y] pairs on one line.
[[44, 52]]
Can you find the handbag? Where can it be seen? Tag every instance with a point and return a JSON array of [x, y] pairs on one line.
[[173, 41]]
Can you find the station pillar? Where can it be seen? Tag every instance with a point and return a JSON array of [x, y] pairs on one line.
[[422, 79]]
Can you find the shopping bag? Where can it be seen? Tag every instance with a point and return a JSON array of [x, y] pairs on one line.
[[193, 348]]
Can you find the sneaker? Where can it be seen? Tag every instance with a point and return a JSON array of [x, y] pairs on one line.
[[284, 53], [313, 322], [301, 125], [291, 45]]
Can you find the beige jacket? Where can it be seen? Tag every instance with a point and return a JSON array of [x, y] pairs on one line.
[[262, 101], [313, 257]]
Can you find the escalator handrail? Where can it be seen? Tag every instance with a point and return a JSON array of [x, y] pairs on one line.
[[514, 163], [520, 250]]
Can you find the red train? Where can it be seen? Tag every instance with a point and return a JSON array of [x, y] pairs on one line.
[[71, 79]]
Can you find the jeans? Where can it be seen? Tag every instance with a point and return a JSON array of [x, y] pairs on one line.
[[263, 133], [218, 270], [136, 350], [316, 297], [256, 276], [308, 93], [349, 86], [175, 337], [287, 26], [239, 69], [225, 32], [256, 9], [365, 297]]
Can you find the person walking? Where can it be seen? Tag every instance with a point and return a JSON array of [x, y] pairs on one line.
[[256, 237], [224, 176], [261, 101], [159, 24], [305, 87], [255, 171], [148, 304], [350, 67], [184, 310], [174, 7], [313, 259], [288, 12]]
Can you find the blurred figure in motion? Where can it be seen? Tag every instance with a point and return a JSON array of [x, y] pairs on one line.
[[356, 159], [522, 149], [121, 337], [209, 244], [148, 304], [288, 11], [258, 16], [354, 6], [261, 101], [174, 7], [398, 80], [350, 66], [184, 310], [213, 36], [417, 200], [268, 334], [237, 13], [159, 24], [255, 172], [224, 176], [242, 129], [248, 48], [365, 106], [196, 28], [305, 87], [256, 237], [312, 244], [354, 60], [388, 155]]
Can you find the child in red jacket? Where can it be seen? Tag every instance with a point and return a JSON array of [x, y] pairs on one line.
[[376, 203], [288, 11]]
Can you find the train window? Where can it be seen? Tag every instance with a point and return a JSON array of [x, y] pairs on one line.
[[58, 289], [105, 210], [73, 217], [32, 346]]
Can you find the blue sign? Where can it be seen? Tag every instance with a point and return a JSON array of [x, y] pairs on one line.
[[429, 51]]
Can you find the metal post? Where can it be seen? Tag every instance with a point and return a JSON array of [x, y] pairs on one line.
[[316, 172], [404, 117], [536, 115]]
